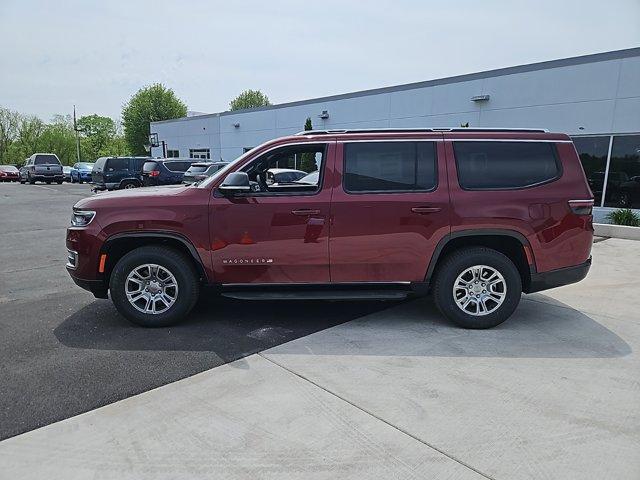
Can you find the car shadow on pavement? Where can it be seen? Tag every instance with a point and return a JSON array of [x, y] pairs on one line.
[[230, 328], [541, 327]]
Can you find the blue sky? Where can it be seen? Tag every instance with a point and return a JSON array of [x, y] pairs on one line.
[[97, 54]]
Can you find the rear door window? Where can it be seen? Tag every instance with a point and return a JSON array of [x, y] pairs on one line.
[[487, 165], [389, 167]]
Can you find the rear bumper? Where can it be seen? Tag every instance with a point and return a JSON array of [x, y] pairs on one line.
[[559, 277], [40, 176]]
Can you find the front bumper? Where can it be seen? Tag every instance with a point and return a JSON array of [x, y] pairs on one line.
[[97, 287], [83, 247], [559, 277]]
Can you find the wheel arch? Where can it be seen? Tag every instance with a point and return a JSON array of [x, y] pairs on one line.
[[511, 243], [118, 245], [129, 180]]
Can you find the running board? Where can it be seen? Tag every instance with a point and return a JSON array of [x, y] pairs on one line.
[[318, 295]]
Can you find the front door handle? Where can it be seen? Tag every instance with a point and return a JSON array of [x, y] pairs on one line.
[[305, 212], [425, 210]]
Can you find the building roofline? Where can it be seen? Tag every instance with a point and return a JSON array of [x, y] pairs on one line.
[[531, 67]]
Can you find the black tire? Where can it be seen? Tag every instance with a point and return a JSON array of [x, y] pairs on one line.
[[456, 263], [178, 264], [59, 182], [31, 180], [129, 184]]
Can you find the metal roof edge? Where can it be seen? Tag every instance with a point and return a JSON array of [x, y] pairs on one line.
[[531, 67]]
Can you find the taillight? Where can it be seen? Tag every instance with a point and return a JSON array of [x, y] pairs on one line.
[[154, 173], [581, 207]]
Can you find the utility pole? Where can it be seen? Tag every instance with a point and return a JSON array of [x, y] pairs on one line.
[[75, 128]]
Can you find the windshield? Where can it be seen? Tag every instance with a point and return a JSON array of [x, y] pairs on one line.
[[46, 160], [149, 167], [197, 168], [99, 165], [85, 166], [8, 168]]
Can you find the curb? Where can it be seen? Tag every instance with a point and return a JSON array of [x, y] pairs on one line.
[[616, 231]]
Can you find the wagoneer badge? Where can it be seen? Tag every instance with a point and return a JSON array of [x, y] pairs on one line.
[[246, 261]]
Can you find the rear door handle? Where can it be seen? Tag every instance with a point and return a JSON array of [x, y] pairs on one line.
[[425, 210], [305, 212]]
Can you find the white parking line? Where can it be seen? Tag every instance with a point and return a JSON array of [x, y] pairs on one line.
[[46, 188]]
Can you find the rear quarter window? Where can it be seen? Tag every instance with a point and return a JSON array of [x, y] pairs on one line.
[[505, 165]]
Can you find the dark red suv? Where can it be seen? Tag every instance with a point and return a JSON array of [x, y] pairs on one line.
[[477, 216]]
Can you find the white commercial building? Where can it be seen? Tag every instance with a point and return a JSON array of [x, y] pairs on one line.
[[594, 98]]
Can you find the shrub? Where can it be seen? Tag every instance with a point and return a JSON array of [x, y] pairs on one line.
[[624, 216]]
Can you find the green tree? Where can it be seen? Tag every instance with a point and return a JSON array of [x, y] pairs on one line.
[[26, 140], [149, 104], [97, 133], [308, 159], [9, 124], [58, 137], [249, 99]]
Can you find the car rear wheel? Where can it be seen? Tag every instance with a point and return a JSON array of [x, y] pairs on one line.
[[477, 287], [128, 185], [154, 286]]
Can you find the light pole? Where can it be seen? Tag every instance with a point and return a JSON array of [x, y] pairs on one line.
[[75, 128]]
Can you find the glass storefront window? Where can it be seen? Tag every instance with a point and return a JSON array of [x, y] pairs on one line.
[[623, 184], [593, 155]]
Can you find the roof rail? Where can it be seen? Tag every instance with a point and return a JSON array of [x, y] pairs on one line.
[[434, 129]]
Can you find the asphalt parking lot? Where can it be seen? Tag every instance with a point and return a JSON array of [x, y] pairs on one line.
[[63, 352], [310, 390]]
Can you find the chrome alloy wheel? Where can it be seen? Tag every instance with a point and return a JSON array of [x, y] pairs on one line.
[[479, 290], [151, 288]]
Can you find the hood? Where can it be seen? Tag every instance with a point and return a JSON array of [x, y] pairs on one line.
[[135, 197]]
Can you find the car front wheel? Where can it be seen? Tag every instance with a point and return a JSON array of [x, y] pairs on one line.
[[154, 286], [477, 287]]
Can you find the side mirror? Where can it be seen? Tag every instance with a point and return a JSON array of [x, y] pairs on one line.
[[236, 182]]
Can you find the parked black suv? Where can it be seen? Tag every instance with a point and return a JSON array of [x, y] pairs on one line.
[[164, 172], [113, 173]]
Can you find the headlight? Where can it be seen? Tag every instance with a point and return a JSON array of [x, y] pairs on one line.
[[82, 218]]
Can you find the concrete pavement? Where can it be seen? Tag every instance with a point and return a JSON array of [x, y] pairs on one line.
[[552, 393]]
